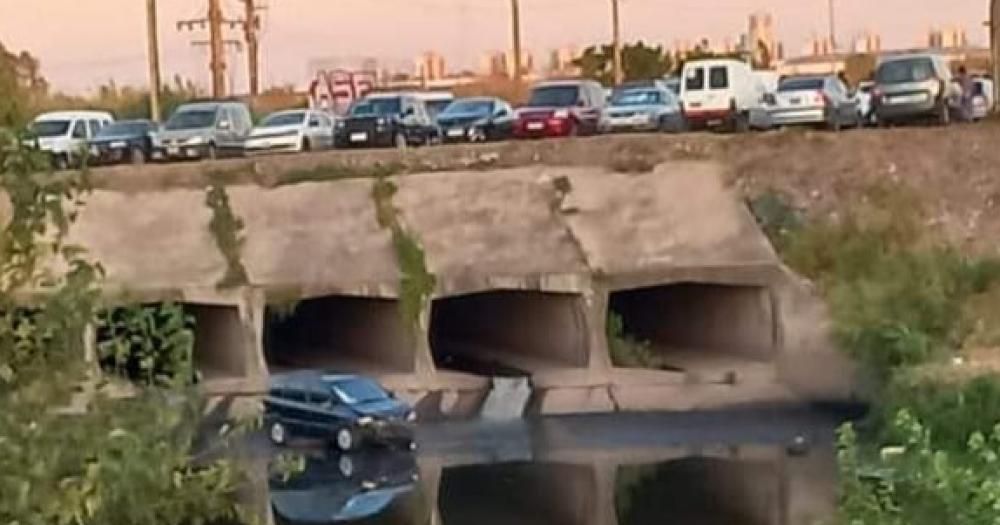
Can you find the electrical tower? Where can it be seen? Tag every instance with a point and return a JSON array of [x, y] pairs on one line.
[[216, 22]]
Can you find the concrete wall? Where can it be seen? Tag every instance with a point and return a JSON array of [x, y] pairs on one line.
[[220, 349]]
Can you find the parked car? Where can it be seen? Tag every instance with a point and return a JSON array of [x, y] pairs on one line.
[[673, 83], [717, 93], [435, 101], [644, 109], [291, 131], [814, 100], [205, 130], [478, 119], [982, 97], [386, 120], [912, 87], [349, 410], [124, 141], [64, 135], [562, 108], [337, 488]]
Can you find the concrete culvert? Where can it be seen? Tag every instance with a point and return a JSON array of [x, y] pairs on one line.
[[509, 333], [221, 344], [693, 327], [339, 333], [521, 493]]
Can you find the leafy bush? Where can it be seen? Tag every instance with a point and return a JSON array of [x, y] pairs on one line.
[[915, 483], [153, 344], [626, 350]]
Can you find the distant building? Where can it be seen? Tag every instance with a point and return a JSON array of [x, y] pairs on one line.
[[949, 37], [819, 46], [867, 42], [430, 66], [501, 64], [561, 62], [761, 42], [26, 68]]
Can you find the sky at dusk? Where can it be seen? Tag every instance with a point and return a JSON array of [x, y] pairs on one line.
[[83, 43]]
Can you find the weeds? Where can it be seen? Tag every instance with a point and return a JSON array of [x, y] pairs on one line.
[[328, 172], [227, 229], [626, 350], [149, 344]]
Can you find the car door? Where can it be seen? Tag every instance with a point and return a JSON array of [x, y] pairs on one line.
[[428, 129], [78, 138], [503, 121], [225, 132]]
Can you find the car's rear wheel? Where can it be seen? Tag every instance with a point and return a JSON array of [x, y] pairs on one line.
[[138, 156], [346, 466], [278, 433], [346, 440]]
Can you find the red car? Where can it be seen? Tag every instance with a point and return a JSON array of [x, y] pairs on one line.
[[562, 109]]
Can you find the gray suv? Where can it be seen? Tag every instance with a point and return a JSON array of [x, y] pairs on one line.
[[911, 87], [205, 130]]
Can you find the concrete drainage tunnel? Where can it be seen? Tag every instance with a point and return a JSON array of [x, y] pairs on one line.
[[338, 333], [698, 327]]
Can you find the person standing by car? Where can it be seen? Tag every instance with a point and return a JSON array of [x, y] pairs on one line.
[[968, 93]]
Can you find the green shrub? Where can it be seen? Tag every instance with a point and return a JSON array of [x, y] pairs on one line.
[[626, 350], [152, 344], [227, 230]]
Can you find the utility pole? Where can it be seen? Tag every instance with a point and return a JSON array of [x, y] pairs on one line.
[[833, 28], [515, 13], [251, 34], [154, 60], [216, 43], [995, 49], [619, 74]]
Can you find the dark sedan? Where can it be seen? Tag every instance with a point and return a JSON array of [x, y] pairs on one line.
[[123, 141], [348, 410], [386, 120], [478, 119]]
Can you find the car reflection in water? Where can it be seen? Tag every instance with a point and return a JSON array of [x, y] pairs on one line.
[[338, 488]]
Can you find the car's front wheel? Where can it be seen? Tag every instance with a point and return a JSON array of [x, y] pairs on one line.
[[346, 440], [278, 433]]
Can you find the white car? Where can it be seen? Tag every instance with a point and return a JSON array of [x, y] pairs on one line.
[[863, 96], [723, 93], [982, 97], [292, 131], [64, 135]]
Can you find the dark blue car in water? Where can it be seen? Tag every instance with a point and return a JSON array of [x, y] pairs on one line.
[[348, 410]]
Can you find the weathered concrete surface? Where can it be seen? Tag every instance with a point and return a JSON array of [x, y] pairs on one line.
[[585, 234]]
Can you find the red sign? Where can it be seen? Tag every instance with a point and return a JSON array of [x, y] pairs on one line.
[[336, 90]]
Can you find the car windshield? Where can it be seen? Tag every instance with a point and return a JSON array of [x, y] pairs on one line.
[[122, 129], [354, 391], [192, 119], [435, 107], [801, 84], [554, 96], [293, 118], [378, 107], [50, 128], [902, 71], [469, 107], [636, 98]]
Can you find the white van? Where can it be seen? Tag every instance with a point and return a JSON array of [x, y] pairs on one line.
[[722, 92], [64, 134]]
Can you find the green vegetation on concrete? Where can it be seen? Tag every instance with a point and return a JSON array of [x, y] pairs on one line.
[[153, 344], [227, 230], [68, 453], [905, 305], [416, 282], [626, 350]]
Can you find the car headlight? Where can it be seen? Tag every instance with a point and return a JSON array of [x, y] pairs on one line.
[[194, 141], [365, 421], [561, 113], [411, 417], [381, 122]]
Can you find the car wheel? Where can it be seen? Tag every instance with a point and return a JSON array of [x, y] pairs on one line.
[[943, 114], [346, 440], [278, 433], [60, 162], [399, 141], [138, 156], [346, 466], [306, 146], [834, 124], [741, 123]]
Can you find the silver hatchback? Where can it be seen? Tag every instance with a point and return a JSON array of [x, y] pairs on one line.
[[912, 87]]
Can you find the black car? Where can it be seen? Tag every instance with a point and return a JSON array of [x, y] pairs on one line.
[[479, 119], [337, 488], [348, 410], [386, 121], [123, 141]]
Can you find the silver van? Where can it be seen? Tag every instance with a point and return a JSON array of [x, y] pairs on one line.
[[911, 87], [205, 130]]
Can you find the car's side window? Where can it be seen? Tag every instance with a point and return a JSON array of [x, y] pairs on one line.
[[317, 397], [224, 119], [79, 130], [95, 126], [314, 121], [295, 395]]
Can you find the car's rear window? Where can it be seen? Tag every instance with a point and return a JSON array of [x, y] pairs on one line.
[[695, 79], [718, 77], [554, 96], [801, 84], [903, 71]]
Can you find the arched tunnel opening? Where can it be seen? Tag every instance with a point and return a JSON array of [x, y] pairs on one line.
[[220, 343], [338, 333], [522, 493], [692, 327], [701, 491], [509, 333]]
